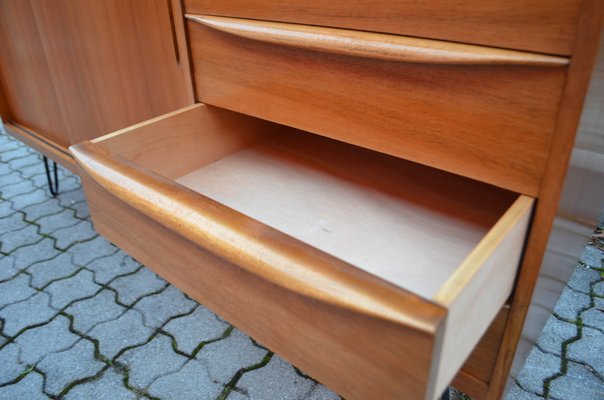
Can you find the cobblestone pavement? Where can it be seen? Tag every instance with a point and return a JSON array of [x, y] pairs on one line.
[[80, 319]]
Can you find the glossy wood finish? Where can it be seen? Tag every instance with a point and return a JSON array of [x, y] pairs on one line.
[[543, 26], [291, 263], [373, 45], [75, 70], [490, 123]]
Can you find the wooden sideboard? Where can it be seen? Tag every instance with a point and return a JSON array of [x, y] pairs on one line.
[[373, 181], [75, 70]]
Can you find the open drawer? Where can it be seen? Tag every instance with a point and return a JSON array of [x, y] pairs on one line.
[[375, 275]]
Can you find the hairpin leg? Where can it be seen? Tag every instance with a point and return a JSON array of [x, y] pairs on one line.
[[53, 187], [446, 395]]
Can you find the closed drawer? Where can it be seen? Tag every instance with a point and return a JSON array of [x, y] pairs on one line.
[[484, 113], [544, 26], [375, 275]]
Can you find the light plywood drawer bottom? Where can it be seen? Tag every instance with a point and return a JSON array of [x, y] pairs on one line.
[[375, 275]]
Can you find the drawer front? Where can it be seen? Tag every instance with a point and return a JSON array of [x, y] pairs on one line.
[[366, 336], [545, 26], [472, 111]]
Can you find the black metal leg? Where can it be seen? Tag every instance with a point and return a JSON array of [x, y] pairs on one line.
[[53, 187], [446, 395]]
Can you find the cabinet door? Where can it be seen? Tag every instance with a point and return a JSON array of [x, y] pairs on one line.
[[110, 64]]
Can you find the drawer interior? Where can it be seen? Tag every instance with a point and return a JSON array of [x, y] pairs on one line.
[[408, 224]]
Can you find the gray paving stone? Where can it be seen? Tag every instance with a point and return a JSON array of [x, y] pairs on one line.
[[108, 268], [199, 326], [320, 392], [36, 343], [40, 251], [227, 356], [7, 180], [90, 312], [10, 367], [598, 288], [45, 272], [276, 380], [67, 199], [554, 333], [66, 366], [115, 335], [582, 278], [32, 311], [130, 288], [159, 308], [7, 269], [578, 383], [192, 382], [25, 161], [70, 183], [9, 241], [85, 252], [19, 187], [592, 257], [108, 386], [151, 361], [5, 208], [236, 394], [12, 223], [63, 292], [27, 199], [571, 303], [594, 318], [15, 153], [538, 367], [81, 209], [589, 350], [29, 388], [516, 393], [37, 211], [54, 222], [17, 289], [32, 170], [66, 237]]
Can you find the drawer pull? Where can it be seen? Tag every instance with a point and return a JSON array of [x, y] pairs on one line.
[[377, 46]]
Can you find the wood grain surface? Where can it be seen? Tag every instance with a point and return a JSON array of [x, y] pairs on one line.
[[543, 26]]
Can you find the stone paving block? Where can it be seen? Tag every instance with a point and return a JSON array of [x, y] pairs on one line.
[[159, 308], [40, 251], [151, 361], [19, 163], [10, 367], [7, 180], [19, 187], [571, 303], [7, 269], [582, 278], [54, 222], [5, 208], [598, 288], [190, 330], [15, 153], [70, 183], [130, 288], [592, 257], [44, 272], [36, 343], [108, 268], [108, 386], [516, 393], [46, 208], [65, 291], [29, 388], [236, 394], [320, 392], [90, 312], [32, 170], [589, 350], [67, 199], [276, 380], [227, 356], [85, 252], [14, 290], [81, 209], [594, 318], [80, 232], [538, 367], [23, 200], [67, 366], [12, 223], [9, 241], [32, 311], [192, 382], [115, 335], [554, 333], [578, 383]]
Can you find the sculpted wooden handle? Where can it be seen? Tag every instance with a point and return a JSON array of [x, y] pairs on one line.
[[253, 246], [377, 46]]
